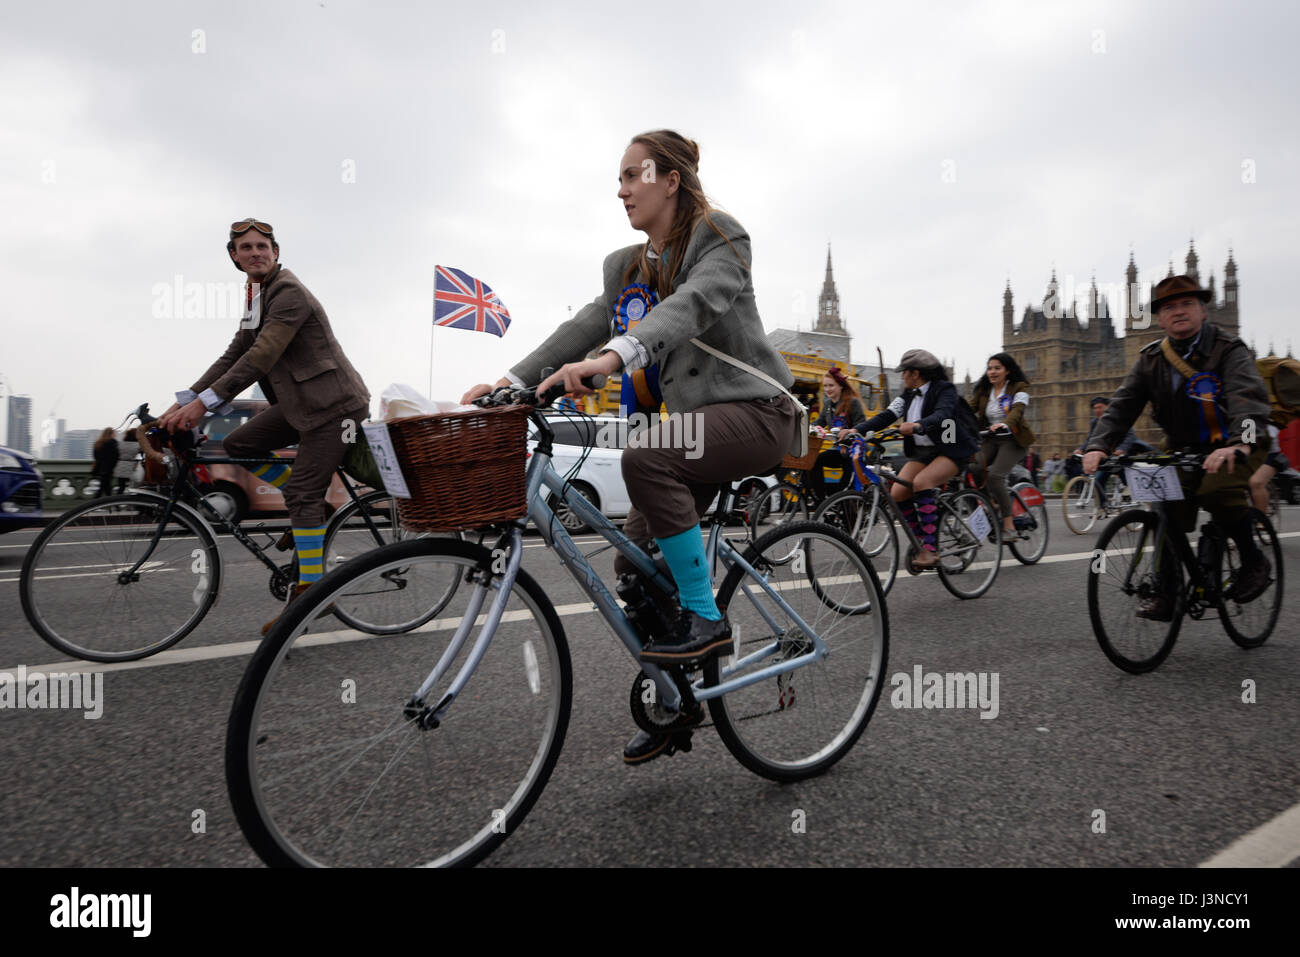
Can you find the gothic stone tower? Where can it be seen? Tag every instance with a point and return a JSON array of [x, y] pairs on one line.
[[1067, 361], [828, 304]]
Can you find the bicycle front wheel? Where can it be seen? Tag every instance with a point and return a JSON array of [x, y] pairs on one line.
[[1250, 623], [798, 724], [866, 520], [771, 508], [399, 601], [332, 761], [1128, 571], [79, 592], [1033, 542], [1079, 504], [970, 543]]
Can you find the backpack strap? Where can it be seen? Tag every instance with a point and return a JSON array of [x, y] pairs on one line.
[[1204, 387], [743, 365], [1175, 360]]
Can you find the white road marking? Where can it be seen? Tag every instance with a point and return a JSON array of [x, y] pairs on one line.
[[1275, 843], [181, 656], [235, 649]]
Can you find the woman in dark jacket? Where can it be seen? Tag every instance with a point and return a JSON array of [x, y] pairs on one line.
[[1000, 399], [841, 410], [937, 442], [105, 461]]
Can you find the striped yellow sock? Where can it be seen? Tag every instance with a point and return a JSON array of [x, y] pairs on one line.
[[311, 550], [274, 474]]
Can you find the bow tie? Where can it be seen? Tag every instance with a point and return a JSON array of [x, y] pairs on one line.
[[910, 394]]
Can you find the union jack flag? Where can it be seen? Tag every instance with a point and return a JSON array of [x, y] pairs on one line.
[[463, 302]]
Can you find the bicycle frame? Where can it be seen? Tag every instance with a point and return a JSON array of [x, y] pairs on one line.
[[540, 472], [183, 484], [880, 475], [1171, 532], [1013, 491]]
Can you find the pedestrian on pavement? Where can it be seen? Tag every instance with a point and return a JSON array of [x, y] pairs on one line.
[[105, 460], [128, 453]]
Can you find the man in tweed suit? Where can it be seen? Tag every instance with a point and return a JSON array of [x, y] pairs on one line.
[[693, 276], [286, 345]]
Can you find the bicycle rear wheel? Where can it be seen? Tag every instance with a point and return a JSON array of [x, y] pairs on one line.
[[328, 760], [1079, 504], [866, 520], [399, 601], [1275, 505], [79, 594], [796, 725], [770, 508], [1250, 624], [968, 562], [1123, 573], [1029, 550]]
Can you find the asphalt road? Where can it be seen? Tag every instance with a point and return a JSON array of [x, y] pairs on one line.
[[1082, 765]]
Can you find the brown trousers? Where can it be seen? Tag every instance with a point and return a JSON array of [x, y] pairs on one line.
[[320, 451], [1225, 495], [998, 457], [674, 468]]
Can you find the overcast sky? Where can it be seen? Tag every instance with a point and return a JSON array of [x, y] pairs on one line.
[[941, 148]]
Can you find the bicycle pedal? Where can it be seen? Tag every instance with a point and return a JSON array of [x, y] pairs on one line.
[[681, 741]]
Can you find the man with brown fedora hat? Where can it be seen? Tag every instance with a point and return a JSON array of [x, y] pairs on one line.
[[1207, 396], [285, 344]]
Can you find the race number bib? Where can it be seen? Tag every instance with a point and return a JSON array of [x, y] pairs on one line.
[[381, 447], [978, 522], [1154, 485]]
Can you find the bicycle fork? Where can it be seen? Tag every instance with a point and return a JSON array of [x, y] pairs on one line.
[[430, 716]]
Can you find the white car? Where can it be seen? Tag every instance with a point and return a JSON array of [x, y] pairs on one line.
[[600, 479]]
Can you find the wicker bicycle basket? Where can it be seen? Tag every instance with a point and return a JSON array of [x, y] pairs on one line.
[[463, 469], [806, 461]]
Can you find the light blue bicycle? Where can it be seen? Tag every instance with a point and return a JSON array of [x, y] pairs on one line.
[[430, 747]]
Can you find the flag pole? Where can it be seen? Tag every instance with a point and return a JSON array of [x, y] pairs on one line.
[[429, 394]]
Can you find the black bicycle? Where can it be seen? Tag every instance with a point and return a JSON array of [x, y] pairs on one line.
[[1028, 510], [1144, 555], [965, 522], [126, 576]]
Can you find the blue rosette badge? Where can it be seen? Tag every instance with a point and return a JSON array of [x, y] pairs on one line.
[[1206, 388], [641, 392]]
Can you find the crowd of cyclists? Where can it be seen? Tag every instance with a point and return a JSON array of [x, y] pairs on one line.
[[676, 317], [1205, 391]]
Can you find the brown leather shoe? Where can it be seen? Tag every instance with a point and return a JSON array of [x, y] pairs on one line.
[[294, 592], [1157, 608], [1252, 581], [926, 559]]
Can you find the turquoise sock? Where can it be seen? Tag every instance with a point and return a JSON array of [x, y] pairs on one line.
[[311, 549], [689, 564]]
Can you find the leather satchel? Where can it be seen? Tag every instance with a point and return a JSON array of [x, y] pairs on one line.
[[799, 443]]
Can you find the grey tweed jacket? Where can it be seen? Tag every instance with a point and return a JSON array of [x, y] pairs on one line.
[[712, 299]]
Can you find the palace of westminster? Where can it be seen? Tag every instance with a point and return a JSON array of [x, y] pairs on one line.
[[1067, 358]]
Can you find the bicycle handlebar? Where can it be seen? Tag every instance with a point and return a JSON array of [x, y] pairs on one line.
[[1182, 459], [879, 437], [510, 395]]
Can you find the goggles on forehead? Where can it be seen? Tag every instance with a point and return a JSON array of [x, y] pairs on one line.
[[244, 225]]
